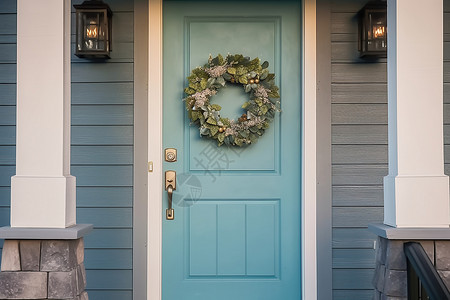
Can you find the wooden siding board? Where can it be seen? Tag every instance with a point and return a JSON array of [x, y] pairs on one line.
[[100, 155], [8, 6], [7, 72], [7, 94], [8, 23], [358, 174], [5, 175], [106, 259], [344, 22], [358, 196], [7, 135], [352, 279], [4, 216], [5, 196], [122, 52], [359, 93], [7, 115], [353, 238], [104, 196], [353, 294], [103, 175], [102, 93], [359, 134], [101, 115], [359, 154], [102, 72], [359, 114], [7, 155], [353, 258], [101, 135], [110, 295], [109, 279], [109, 238], [356, 216], [106, 217], [8, 53], [359, 73]]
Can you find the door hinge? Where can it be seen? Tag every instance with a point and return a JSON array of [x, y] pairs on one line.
[[150, 166]]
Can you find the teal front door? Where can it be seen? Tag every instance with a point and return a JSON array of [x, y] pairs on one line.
[[236, 227]]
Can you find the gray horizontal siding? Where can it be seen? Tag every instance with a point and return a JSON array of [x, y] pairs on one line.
[[102, 148], [359, 154]]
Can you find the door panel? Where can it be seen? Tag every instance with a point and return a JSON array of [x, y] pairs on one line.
[[236, 232]]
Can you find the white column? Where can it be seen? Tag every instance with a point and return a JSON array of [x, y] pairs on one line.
[[416, 191], [43, 191]]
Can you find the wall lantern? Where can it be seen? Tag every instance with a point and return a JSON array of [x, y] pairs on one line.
[[93, 33], [372, 30]]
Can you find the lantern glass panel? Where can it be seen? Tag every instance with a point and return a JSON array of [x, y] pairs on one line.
[[92, 31], [376, 31]]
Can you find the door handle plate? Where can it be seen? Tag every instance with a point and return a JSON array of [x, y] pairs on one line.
[[170, 184]]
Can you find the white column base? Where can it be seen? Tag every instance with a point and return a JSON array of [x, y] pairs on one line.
[[416, 201], [43, 202]]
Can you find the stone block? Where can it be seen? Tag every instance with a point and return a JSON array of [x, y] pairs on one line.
[[58, 255], [380, 278], [381, 250], [79, 250], [442, 255], [395, 256], [62, 285], [84, 296], [428, 246], [81, 279], [10, 256], [445, 275], [23, 285], [30, 254], [395, 283]]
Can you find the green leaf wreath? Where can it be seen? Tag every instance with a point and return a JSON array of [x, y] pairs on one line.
[[259, 110]]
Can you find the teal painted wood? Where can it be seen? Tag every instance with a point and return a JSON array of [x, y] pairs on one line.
[[101, 155], [8, 155], [110, 295], [101, 115], [7, 94], [102, 135], [109, 280], [227, 243], [109, 238], [7, 115], [112, 259], [7, 135], [103, 175], [8, 53], [106, 217], [105, 93], [105, 196], [7, 72]]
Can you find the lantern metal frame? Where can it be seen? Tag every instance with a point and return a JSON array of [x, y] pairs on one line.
[[370, 46], [99, 45]]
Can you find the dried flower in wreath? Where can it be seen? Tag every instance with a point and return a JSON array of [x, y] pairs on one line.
[[259, 110]]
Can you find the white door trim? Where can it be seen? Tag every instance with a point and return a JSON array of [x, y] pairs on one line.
[[155, 58]]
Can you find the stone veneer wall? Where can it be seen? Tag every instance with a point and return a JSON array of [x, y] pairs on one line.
[[43, 269], [390, 279]]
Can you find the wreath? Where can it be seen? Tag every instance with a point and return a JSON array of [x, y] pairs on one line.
[[259, 110]]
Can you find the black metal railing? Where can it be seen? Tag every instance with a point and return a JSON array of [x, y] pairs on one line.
[[424, 281]]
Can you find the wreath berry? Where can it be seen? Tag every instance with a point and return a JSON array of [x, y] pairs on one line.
[[259, 110]]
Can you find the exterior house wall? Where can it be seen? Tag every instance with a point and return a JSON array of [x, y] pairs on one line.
[[102, 148]]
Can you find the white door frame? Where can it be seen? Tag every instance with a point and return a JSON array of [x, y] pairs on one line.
[[155, 98]]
